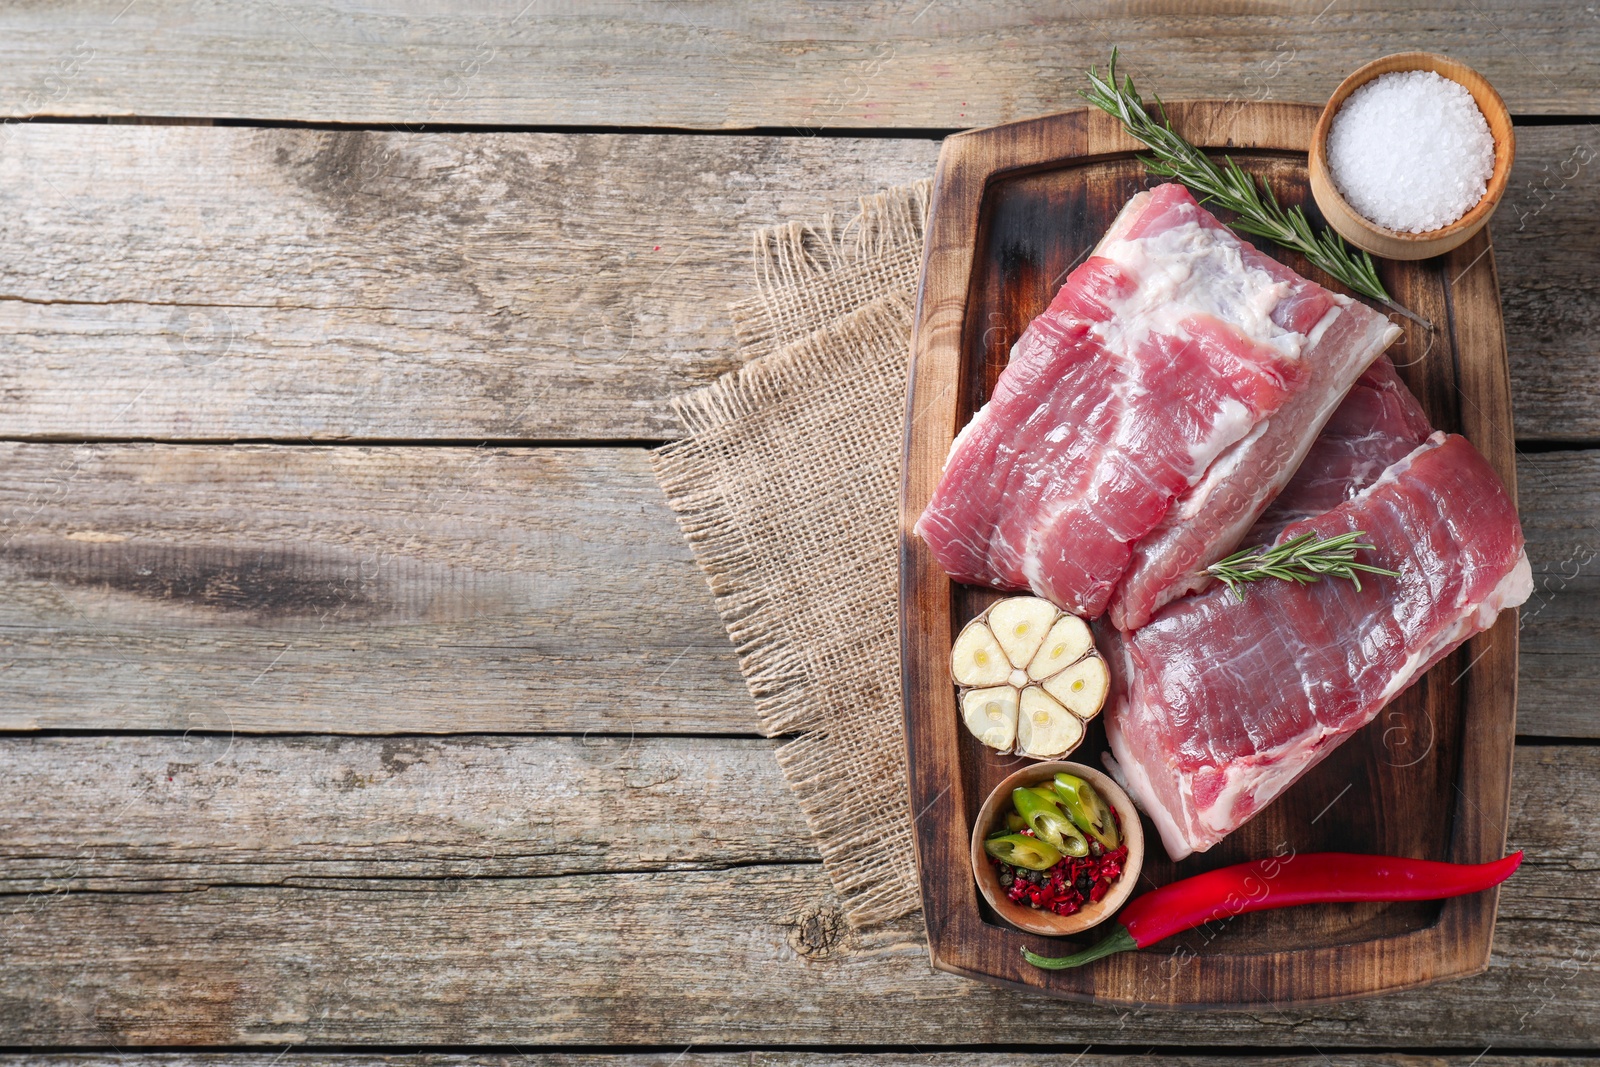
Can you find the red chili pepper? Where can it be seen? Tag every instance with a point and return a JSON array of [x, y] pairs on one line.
[[1282, 882]]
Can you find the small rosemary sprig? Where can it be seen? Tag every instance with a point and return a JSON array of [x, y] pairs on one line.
[[1231, 188], [1303, 559]]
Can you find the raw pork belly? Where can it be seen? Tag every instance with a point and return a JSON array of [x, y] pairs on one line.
[[1178, 375], [1377, 424], [1379, 421], [1221, 704]]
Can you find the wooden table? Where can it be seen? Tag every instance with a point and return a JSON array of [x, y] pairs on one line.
[[357, 689]]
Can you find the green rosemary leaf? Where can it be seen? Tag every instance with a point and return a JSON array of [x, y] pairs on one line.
[[1230, 187], [1304, 559]]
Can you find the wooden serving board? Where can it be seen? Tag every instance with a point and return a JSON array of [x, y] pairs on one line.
[[1015, 208]]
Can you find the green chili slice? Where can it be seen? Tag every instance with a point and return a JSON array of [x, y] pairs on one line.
[[1087, 809], [1020, 850], [1042, 810]]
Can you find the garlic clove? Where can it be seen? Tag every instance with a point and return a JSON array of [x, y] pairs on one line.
[[1045, 729], [977, 658], [1020, 623], [1066, 643], [1082, 687], [991, 715]]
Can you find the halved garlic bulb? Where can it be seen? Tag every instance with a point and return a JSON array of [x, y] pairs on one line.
[[1030, 677]]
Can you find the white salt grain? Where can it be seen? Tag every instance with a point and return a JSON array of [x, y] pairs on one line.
[[1411, 151]]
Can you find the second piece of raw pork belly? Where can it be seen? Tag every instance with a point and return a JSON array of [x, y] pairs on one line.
[[1161, 401], [1378, 423], [1220, 703]]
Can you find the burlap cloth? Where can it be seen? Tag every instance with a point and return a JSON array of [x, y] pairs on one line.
[[786, 484]]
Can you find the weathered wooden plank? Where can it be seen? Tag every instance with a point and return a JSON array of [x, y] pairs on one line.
[[905, 63], [755, 954], [652, 959], [338, 589], [1559, 498], [690, 1057], [173, 812], [661, 957], [372, 590], [1545, 233], [177, 813], [226, 283]]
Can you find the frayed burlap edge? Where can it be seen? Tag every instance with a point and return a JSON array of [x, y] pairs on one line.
[[771, 657], [817, 647], [809, 274], [827, 336]]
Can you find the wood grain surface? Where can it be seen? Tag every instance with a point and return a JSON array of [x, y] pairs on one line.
[[754, 953], [183, 812], [342, 589], [306, 284], [1547, 270], [1559, 501], [780, 63], [691, 1057]]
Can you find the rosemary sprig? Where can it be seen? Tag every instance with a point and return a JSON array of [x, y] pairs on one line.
[[1303, 559], [1231, 188]]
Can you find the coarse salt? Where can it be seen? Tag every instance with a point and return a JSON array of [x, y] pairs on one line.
[[1411, 151]]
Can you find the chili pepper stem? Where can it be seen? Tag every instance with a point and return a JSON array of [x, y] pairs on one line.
[[1119, 941]]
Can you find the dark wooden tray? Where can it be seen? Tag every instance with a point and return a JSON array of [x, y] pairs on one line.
[[1015, 208]]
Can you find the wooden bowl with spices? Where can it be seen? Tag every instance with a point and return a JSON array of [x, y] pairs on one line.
[[1042, 920], [1327, 175]]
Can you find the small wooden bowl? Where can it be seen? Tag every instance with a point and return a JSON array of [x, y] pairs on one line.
[[1380, 240], [1046, 922]]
